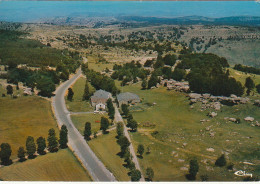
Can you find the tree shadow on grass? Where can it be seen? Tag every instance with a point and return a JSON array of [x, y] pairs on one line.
[[22, 159], [6, 163], [190, 177], [139, 156], [32, 156], [120, 154]]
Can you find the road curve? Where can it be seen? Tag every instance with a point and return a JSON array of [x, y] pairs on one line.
[[81, 149]]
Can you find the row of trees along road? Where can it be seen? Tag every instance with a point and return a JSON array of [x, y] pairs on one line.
[[53, 146], [125, 153]]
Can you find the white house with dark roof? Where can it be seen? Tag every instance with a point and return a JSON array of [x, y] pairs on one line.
[[99, 99], [127, 98]]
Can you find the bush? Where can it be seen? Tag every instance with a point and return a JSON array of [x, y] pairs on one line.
[[221, 161]]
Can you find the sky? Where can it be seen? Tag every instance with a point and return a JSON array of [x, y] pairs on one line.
[[32, 11]]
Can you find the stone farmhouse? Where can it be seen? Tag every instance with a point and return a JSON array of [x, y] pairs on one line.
[[127, 98], [99, 99]]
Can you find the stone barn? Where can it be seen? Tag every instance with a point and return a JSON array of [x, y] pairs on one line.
[[127, 98]]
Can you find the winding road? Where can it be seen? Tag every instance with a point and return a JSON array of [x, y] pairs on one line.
[[78, 145]]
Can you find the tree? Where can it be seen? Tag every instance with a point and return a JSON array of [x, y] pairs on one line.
[[21, 154], [249, 85], [153, 81], [132, 124], [52, 141], [178, 74], [144, 84], [46, 86], [30, 147], [119, 129], [5, 154], [41, 145], [111, 109], [9, 90], [104, 124], [87, 94], [70, 94], [221, 161], [124, 143], [258, 88], [63, 137], [194, 168], [140, 150], [204, 177], [149, 174], [169, 59], [87, 131], [125, 110], [135, 175]]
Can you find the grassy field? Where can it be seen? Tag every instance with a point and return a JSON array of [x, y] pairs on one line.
[[79, 121], [238, 52], [241, 76], [179, 135], [106, 148], [92, 64], [32, 116], [23, 117], [60, 166], [77, 105]]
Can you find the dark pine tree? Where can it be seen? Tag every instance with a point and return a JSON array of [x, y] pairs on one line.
[[41, 145], [104, 124], [111, 109], [30, 147], [149, 174], [119, 129], [194, 168], [140, 150], [250, 85], [70, 94], [21, 154], [221, 161], [9, 90], [52, 141], [63, 137], [124, 109], [87, 131], [87, 94], [135, 175], [5, 154]]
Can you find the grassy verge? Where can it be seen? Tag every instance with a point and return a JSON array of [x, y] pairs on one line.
[[60, 166], [77, 105], [106, 148], [178, 136], [80, 120]]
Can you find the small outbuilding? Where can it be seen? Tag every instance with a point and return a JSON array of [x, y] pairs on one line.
[[99, 99], [127, 98]]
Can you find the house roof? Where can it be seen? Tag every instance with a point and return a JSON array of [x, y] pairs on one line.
[[101, 94], [127, 96]]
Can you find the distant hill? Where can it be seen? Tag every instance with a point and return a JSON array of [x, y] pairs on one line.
[[188, 20]]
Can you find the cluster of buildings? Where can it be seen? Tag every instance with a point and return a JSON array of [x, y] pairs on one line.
[[100, 97]]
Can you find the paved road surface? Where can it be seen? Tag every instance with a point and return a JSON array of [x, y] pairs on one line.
[[76, 141], [118, 118]]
